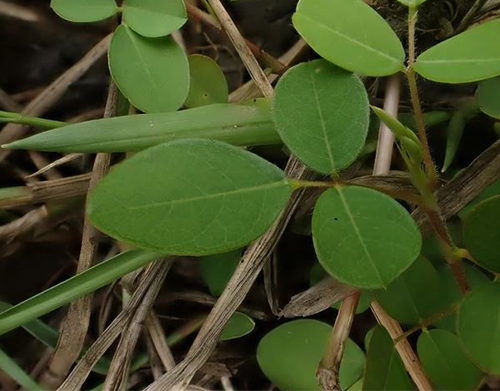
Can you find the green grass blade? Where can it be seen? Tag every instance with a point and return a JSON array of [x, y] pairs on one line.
[[10, 367], [74, 288]]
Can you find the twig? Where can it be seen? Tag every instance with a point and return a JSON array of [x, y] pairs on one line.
[[408, 356], [50, 95], [18, 12], [120, 365], [8, 103], [476, 7], [75, 326]]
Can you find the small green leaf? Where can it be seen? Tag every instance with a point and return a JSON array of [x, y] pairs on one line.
[[384, 368], [453, 137], [482, 233], [362, 237], [190, 197], [216, 270], [470, 56], [208, 84], [488, 97], [478, 327], [238, 326], [322, 114], [350, 34], [65, 292], [152, 73], [154, 18], [290, 354], [84, 11], [412, 3], [444, 360], [407, 299], [235, 124]]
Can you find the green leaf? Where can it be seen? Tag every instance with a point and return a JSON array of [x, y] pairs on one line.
[[482, 233], [407, 298], [154, 18], [488, 97], [453, 137], [152, 73], [362, 237], [313, 109], [216, 270], [84, 11], [289, 355], [190, 197], [234, 124], [10, 368], [350, 34], [470, 56], [444, 360], [412, 3], [491, 191], [365, 299], [478, 327], [238, 326], [65, 292], [384, 368], [208, 84]]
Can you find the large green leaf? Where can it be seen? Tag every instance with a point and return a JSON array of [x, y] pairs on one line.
[[216, 270], [84, 11], [190, 197], [65, 292], [208, 83], [491, 191], [234, 124], [154, 18], [152, 73], [444, 360], [407, 299], [482, 233], [350, 34], [362, 237], [238, 326], [470, 56], [322, 114], [488, 97], [384, 368], [289, 356], [478, 326]]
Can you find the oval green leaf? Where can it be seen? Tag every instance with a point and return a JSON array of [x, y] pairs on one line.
[[412, 3], [470, 56], [488, 97], [444, 360], [238, 326], [153, 74], [478, 327], [384, 368], [363, 237], [84, 11], [350, 34], [491, 191], [233, 124], [154, 18], [208, 84], [216, 270], [190, 197], [322, 114], [482, 233], [407, 299], [290, 354]]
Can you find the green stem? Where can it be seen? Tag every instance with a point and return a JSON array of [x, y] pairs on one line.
[[16, 118]]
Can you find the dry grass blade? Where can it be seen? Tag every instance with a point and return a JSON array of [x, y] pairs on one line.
[[159, 340], [65, 159], [119, 368], [9, 232], [317, 298], [79, 374], [50, 95], [75, 326], [19, 12], [8, 103]]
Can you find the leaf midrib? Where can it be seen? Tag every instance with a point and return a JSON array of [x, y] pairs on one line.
[[266, 186]]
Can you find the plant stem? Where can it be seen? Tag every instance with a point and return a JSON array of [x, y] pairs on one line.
[[415, 99], [16, 118]]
